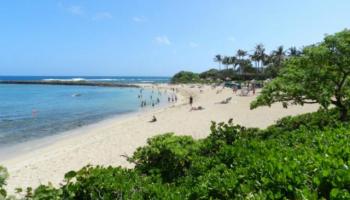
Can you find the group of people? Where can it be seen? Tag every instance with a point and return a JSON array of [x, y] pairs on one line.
[[153, 100], [245, 89], [172, 98]]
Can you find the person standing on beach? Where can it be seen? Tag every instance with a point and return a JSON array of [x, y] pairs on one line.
[[191, 100], [253, 88], [235, 89]]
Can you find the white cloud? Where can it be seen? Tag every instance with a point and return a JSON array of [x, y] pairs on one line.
[[79, 11], [75, 10], [193, 44], [162, 40], [139, 19], [102, 16], [231, 39]]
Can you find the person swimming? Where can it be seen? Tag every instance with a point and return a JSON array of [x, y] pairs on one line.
[[76, 95], [34, 113]]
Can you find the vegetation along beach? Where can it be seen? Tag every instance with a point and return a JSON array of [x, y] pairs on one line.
[[158, 110]]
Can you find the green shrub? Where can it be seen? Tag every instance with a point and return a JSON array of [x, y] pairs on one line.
[[303, 157], [107, 183], [3, 176], [212, 74], [317, 120], [166, 155], [185, 77]]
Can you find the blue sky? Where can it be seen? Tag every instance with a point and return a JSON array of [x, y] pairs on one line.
[[153, 37]]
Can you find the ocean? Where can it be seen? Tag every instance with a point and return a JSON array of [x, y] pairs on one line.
[[119, 79], [29, 112]]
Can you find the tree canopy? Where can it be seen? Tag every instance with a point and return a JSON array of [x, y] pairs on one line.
[[320, 74], [185, 77]]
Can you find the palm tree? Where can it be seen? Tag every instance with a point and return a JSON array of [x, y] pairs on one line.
[[278, 56], [240, 55], [259, 56], [218, 59], [233, 62], [293, 51], [273, 62], [226, 61], [254, 57]]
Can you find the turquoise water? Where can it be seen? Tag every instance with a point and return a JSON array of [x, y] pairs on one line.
[[35, 111]]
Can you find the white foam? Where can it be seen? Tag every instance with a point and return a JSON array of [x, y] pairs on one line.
[[73, 79]]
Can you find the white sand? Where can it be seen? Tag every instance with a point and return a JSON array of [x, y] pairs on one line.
[[104, 143]]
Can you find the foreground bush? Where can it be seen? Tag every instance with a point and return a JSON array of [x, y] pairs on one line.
[[3, 177], [303, 157]]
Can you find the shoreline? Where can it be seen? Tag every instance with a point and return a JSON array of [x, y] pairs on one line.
[[14, 150], [105, 142]]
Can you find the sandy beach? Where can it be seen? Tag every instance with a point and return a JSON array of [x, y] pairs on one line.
[[105, 142]]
